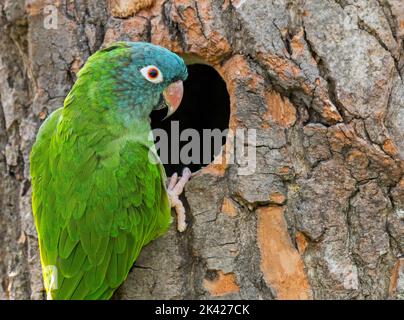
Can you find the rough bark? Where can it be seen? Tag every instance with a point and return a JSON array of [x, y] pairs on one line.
[[322, 83]]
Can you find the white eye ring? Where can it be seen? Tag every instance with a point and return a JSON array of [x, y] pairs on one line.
[[152, 73]]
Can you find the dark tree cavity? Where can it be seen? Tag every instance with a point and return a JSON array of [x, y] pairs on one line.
[[205, 105]]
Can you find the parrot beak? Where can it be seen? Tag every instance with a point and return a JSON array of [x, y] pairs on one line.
[[173, 96]]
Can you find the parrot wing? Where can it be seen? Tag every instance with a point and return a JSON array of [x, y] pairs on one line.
[[95, 206]]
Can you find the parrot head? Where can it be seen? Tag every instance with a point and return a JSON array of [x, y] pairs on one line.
[[144, 77]]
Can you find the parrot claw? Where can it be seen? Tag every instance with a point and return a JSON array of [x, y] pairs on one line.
[[174, 189]]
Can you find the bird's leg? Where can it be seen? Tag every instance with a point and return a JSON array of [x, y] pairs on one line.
[[174, 189]]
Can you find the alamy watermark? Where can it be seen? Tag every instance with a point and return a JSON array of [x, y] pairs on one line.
[[50, 17], [186, 148]]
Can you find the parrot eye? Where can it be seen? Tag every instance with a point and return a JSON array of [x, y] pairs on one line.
[[152, 74]]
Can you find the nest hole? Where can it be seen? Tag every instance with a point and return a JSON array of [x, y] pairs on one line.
[[205, 105]]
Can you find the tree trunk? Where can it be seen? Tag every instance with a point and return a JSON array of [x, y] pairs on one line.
[[321, 82]]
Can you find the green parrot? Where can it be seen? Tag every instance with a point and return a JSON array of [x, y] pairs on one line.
[[99, 192]]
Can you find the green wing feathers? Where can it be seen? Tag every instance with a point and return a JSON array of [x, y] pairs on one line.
[[96, 203]]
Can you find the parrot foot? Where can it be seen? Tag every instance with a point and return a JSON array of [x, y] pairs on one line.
[[174, 189]]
